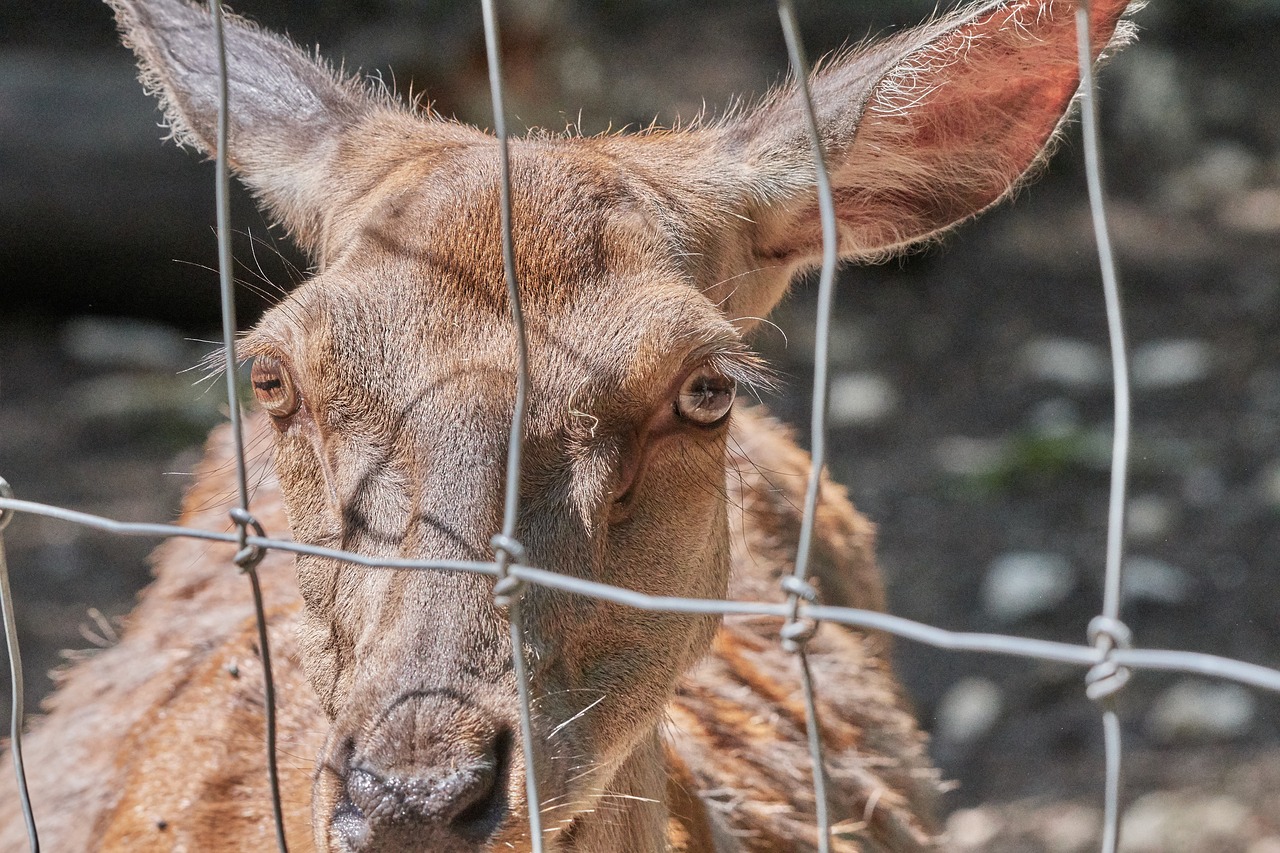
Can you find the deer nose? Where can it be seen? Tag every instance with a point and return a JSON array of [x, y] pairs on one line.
[[450, 808]]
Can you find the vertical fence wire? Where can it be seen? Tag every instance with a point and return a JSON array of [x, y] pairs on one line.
[[1107, 631], [507, 547], [15, 679], [797, 586], [247, 556]]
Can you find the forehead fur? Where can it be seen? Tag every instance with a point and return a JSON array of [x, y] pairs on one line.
[[578, 219], [609, 311]]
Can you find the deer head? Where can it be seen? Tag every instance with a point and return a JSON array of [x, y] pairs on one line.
[[644, 261]]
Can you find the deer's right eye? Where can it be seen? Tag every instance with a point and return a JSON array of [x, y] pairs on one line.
[[273, 387]]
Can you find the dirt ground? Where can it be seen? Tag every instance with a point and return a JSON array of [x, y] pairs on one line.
[[971, 420]]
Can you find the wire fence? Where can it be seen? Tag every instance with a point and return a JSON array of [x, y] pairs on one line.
[[1108, 655]]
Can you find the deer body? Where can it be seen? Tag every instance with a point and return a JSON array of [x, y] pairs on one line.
[[387, 382]]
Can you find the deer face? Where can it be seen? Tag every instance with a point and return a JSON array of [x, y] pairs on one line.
[[642, 261], [390, 378]]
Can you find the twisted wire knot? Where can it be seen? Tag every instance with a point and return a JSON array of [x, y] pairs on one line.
[[796, 631], [249, 556], [6, 515], [507, 588], [1107, 677]]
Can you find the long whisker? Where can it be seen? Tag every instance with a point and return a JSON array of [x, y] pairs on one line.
[[576, 716]]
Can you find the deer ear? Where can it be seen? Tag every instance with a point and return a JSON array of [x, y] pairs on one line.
[[920, 132], [288, 110]]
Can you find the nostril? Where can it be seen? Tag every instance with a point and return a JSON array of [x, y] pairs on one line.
[[489, 808], [349, 825], [464, 801]]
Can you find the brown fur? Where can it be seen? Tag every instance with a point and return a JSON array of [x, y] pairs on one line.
[[643, 261], [185, 767]]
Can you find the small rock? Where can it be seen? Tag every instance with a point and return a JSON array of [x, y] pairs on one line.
[[1150, 518], [1257, 284], [1095, 448], [860, 399], [850, 342], [1078, 365], [1149, 580], [122, 398], [1223, 172], [1160, 365], [1071, 828], [1021, 585], [1155, 110], [1168, 822], [1056, 418], [1194, 710], [124, 344], [581, 72], [1270, 844], [1228, 168], [1269, 484], [972, 829], [960, 456], [1255, 212], [1203, 486], [968, 710]]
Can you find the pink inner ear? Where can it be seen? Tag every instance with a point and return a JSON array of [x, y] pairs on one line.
[[957, 122]]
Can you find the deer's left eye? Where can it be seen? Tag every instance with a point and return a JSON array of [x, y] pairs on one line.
[[706, 396], [273, 387]]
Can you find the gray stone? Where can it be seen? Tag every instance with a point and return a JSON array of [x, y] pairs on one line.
[[1224, 170], [1172, 363], [860, 399], [1150, 518], [1177, 822], [973, 829], [1155, 109], [105, 342], [1147, 579], [850, 342], [961, 456], [1056, 417], [1269, 484], [123, 398], [1021, 585], [1255, 211], [1070, 828], [968, 711], [1074, 364], [1203, 486], [1195, 711], [1270, 844]]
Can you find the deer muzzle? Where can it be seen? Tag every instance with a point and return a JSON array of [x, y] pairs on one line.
[[434, 773]]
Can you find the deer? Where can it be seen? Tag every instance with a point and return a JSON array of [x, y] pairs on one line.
[[385, 386]]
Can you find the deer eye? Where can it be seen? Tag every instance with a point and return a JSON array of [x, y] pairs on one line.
[[706, 396], [273, 387]]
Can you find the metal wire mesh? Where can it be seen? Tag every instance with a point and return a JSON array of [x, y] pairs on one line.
[[1108, 655]]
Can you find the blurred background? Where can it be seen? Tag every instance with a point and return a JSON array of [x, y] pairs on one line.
[[971, 398]]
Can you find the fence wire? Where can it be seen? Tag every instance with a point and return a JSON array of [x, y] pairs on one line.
[[1108, 654]]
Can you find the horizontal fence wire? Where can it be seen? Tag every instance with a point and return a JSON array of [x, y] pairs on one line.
[[1108, 655], [1163, 660]]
